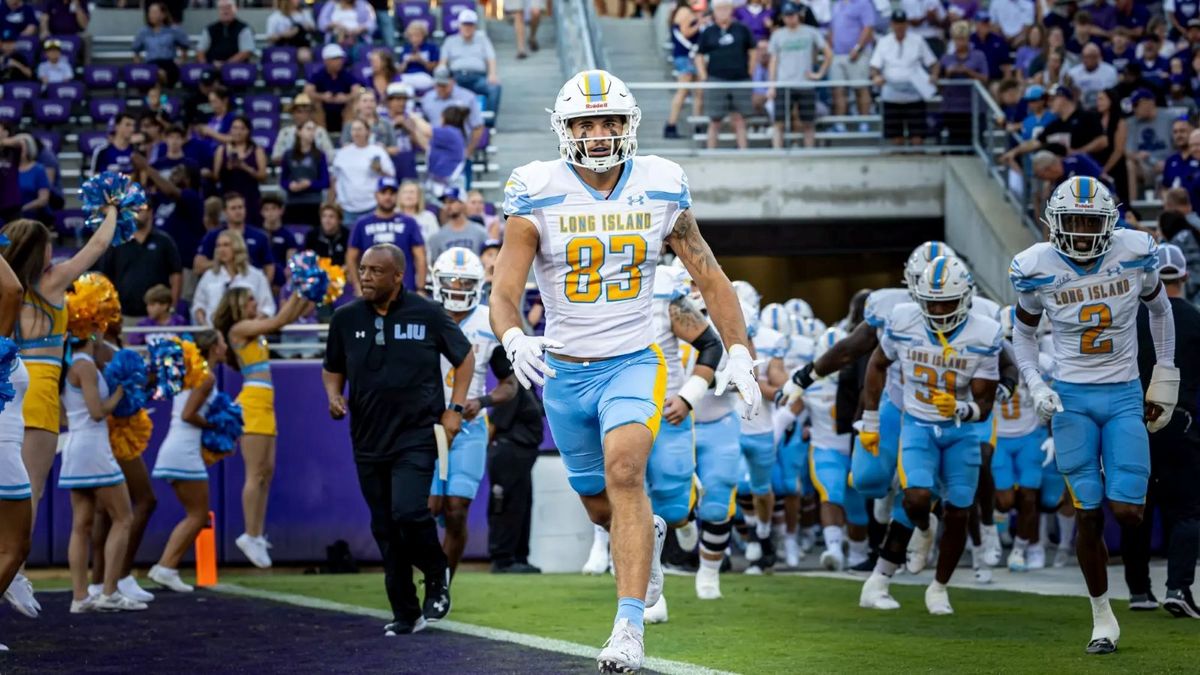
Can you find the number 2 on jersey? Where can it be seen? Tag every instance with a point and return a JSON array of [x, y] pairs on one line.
[[1099, 316], [585, 257], [929, 377]]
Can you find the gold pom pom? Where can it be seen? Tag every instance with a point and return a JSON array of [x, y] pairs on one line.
[[337, 280], [211, 457], [92, 305], [130, 436], [195, 367]]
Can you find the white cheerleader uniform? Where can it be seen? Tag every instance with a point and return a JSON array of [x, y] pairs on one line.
[[179, 456], [88, 460], [14, 480]]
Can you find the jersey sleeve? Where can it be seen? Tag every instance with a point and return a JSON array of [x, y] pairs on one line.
[[989, 365], [871, 312], [670, 184], [1027, 280], [522, 191], [1142, 254], [890, 341]]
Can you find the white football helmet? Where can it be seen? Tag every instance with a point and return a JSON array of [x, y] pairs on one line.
[[945, 280], [457, 265], [799, 308], [591, 93], [776, 317], [750, 316], [748, 295], [827, 339], [810, 328], [1081, 214], [920, 258]]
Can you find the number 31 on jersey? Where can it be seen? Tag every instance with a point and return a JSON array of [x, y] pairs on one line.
[[585, 258]]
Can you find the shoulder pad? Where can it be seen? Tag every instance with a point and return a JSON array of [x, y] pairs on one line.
[[1026, 273]]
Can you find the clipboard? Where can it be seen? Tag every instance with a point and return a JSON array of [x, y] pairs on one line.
[[443, 452]]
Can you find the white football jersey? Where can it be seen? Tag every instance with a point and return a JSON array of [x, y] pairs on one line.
[[1093, 313], [986, 307], [668, 287], [768, 344], [876, 311], [597, 254], [478, 329], [925, 364], [820, 400], [800, 352]]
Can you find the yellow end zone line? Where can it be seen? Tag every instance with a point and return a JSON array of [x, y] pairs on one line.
[[533, 641]]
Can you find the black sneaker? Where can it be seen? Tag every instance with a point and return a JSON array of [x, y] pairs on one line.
[[1101, 646], [1181, 605], [437, 598], [515, 568], [404, 627], [768, 557], [670, 131], [1143, 602]]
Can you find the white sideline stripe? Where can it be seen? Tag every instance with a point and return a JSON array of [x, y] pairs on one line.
[[536, 642]]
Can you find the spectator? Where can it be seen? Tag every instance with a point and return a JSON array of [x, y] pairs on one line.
[[150, 131], [517, 11], [1014, 18], [227, 40], [160, 311], [383, 72], [284, 242], [409, 128], [899, 62], [512, 452], [148, 259], [1180, 166], [302, 114], [993, 46], [794, 50], [331, 86], [214, 214], [385, 225], [760, 65], [304, 176], [726, 44], [962, 62], [18, 19], [1180, 226], [348, 23], [1133, 17], [49, 161], [1180, 98], [292, 25], [1191, 179], [162, 43], [446, 158], [852, 32], [927, 18], [64, 17], [469, 55], [14, 64], [1085, 32], [1056, 41], [1148, 144], [1036, 119], [1158, 28], [1091, 76], [412, 204], [1075, 131], [54, 68], [217, 129], [195, 101], [446, 94], [418, 57], [1120, 52], [171, 152], [34, 183], [962, 9], [115, 154], [1053, 169], [178, 209], [330, 239], [457, 229], [757, 18], [685, 30], [1156, 69], [365, 108], [240, 166], [357, 168], [1112, 159], [1179, 12], [231, 269], [477, 211], [256, 242]]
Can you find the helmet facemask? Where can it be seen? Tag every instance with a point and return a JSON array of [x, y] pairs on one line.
[[457, 293], [1081, 236], [577, 151], [944, 314]]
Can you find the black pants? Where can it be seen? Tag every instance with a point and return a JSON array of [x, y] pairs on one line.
[[1174, 473], [510, 505], [397, 493]]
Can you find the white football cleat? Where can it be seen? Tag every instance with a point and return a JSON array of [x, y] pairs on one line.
[[654, 588], [255, 550], [623, 651], [1062, 556], [808, 540], [20, 596], [937, 600], [992, 552], [168, 578], [791, 552], [656, 613], [708, 583], [599, 559], [833, 560], [119, 603], [1106, 632], [96, 590], [1035, 557], [1016, 561], [130, 589], [754, 551], [688, 536], [917, 555], [983, 573], [875, 595], [84, 606]]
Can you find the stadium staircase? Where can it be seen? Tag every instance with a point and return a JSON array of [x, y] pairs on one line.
[[530, 85]]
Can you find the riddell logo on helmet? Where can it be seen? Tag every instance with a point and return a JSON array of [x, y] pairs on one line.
[[593, 106]]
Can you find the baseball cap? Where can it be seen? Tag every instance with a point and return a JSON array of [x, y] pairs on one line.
[[899, 16], [333, 51], [1035, 92], [451, 193], [467, 16], [387, 183], [1139, 96], [1172, 265], [790, 8], [301, 99], [399, 89], [52, 44], [1064, 91], [441, 75]]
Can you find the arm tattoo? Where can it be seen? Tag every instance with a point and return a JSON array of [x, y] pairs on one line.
[[687, 241], [686, 318]]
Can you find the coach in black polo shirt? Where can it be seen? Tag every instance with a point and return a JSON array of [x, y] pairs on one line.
[[389, 346], [148, 259]]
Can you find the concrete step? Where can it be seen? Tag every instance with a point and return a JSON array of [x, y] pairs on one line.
[[635, 54]]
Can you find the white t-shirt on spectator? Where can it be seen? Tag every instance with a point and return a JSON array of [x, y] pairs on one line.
[[822, 10], [356, 180], [901, 63], [216, 281], [279, 23], [1092, 82], [429, 224], [1012, 16], [918, 9]]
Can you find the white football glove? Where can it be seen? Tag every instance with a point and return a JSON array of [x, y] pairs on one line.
[[1164, 393], [1045, 401], [739, 372], [1048, 448], [525, 354], [781, 420]]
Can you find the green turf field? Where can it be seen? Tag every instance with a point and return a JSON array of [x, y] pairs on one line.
[[789, 624]]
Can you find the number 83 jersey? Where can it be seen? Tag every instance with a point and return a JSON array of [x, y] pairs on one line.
[[597, 253], [1093, 311]]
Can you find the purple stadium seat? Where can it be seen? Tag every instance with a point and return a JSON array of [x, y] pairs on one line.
[[263, 139], [12, 110], [101, 77], [70, 91], [89, 141], [49, 139], [239, 75], [281, 74], [104, 109], [273, 55], [27, 45], [51, 111], [72, 46], [265, 123], [69, 222], [450, 12], [189, 73], [263, 104], [141, 75], [20, 90], [415, 10]]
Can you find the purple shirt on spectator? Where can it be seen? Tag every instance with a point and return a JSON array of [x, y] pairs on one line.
[[962, 9], [995, 50], [957, 98], [447, 150], [398, 229], [850, 17], [61, 16], [1119, 61], [1104, 14], [757, 18], [1157, 72], [427, 50], [140, 338], [13, 22], [1138, 17]]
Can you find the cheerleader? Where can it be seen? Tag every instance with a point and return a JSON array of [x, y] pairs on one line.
[[238, 320], [15, 505], [40, 334], [181, 463]]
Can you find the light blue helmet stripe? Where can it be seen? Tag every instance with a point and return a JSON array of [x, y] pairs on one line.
[[939, 269]]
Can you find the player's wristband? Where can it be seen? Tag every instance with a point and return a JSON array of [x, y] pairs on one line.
[[456, 407], [969, 413], [803, 377], [692, 390]]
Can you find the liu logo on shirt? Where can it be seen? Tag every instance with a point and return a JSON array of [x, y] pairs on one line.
[[410, 331]]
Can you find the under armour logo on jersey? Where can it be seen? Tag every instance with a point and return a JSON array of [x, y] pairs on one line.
[[411, 331], [360, 333], [635, 200]]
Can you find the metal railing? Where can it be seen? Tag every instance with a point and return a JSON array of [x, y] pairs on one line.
[[579, 43], [992, 139], [297, 341]]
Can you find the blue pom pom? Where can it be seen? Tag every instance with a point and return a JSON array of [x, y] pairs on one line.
[[308, 277], [8, 361], [166, 360], [98, 191], [225, 417], [128, 370]]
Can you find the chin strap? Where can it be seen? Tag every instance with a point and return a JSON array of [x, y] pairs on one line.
[[947, 349]]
